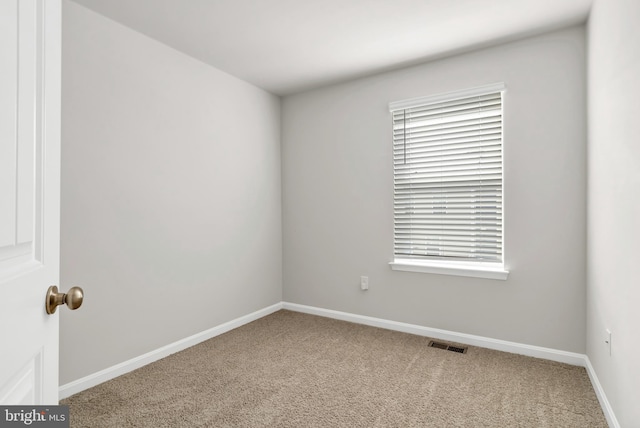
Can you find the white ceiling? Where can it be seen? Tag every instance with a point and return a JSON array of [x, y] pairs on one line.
[[287, 46]]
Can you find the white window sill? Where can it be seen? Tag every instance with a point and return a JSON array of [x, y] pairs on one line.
[[476, 270]]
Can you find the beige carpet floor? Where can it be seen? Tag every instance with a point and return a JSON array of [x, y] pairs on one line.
[[296, 370]]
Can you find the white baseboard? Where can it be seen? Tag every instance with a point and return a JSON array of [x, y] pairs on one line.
[[125, 367], [467, 339], [602, 397], [451, 336]]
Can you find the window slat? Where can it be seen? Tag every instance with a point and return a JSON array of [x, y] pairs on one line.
[[447, 159]]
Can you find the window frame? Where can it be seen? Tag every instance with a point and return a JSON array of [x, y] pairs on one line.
[[457, 267]]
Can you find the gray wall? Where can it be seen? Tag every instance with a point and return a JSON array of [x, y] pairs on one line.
[[338, 196], [171, 207], [613, 291]]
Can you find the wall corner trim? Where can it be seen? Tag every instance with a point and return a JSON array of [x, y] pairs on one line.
[[109, 373], [602, 397]]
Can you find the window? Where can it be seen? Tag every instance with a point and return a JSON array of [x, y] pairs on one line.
[[447, 167]]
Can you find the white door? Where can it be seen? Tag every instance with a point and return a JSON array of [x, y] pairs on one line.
[[29, 199]]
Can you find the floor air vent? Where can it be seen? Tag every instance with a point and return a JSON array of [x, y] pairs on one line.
[[440, 345]]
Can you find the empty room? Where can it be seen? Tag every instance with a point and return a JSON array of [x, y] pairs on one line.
[[354, 213]]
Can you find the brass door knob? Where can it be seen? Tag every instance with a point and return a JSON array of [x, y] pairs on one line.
[[73, 299]]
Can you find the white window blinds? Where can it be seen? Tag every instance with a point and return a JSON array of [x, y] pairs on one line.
[[447, 158]]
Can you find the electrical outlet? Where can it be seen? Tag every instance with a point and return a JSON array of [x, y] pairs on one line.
[[364, 282], [607, 340]]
